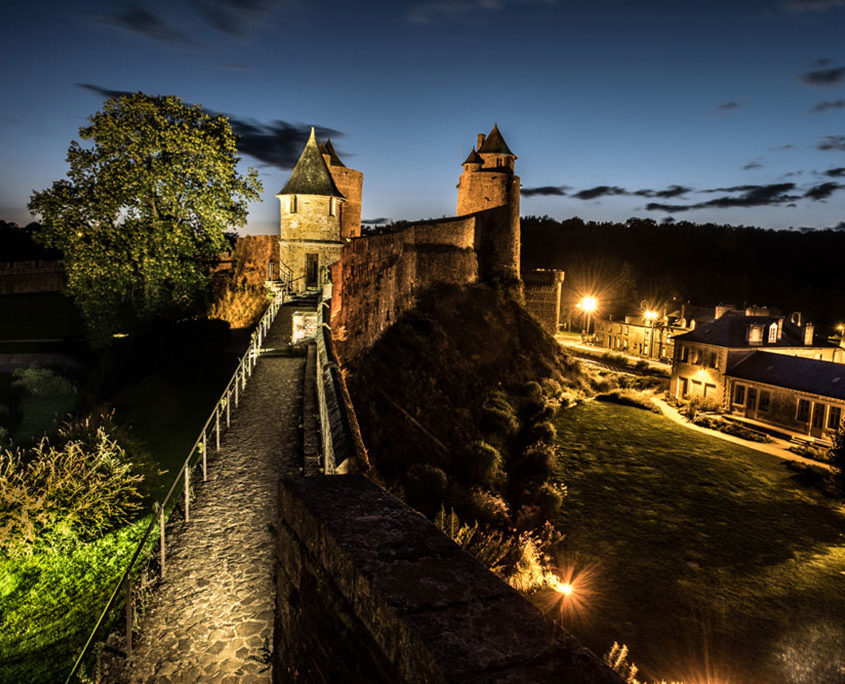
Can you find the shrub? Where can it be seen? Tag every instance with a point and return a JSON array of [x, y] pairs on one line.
[[543, 431], [549, 499], [551, 387], [485, 507], [500, 400], [730, 428], [482, 464], [536, 465], [498, 422], [41, 382], [425, 487], [642, 365], [629, 398], [55, 495], [532, 390]]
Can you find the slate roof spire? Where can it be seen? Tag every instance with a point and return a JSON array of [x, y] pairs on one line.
[[311, 176], [494, 143], [328, 149]]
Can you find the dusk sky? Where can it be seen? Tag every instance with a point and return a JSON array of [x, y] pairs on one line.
[[720, 111]]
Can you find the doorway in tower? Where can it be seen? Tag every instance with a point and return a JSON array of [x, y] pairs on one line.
[[311, 270]]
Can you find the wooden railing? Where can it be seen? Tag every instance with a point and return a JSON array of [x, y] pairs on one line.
[[178, 497]]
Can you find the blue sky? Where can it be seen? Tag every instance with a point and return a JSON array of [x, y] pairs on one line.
[[705, 109]]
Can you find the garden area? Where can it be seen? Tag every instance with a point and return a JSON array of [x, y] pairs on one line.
[[711, 561]]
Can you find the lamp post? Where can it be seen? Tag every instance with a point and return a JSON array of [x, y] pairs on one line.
[[588, 305], [651, 317]]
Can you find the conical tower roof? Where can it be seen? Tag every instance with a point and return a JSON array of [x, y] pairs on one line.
[[495, 143], [473, 158], [328, 149], [311, 176]]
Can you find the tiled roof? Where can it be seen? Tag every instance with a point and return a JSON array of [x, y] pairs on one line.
[[731, 330], [793, 372], [495, 143], [473, 158], [311, 176]]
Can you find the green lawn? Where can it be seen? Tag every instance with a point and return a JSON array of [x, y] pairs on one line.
[[703, 556]]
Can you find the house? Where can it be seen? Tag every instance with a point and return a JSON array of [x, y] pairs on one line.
[[765, 366]]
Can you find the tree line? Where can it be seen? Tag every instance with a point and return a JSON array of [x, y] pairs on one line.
[[626, 265]]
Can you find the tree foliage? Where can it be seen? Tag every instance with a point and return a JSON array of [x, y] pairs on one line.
[[143, 210]]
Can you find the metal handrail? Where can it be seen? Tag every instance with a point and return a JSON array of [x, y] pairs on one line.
[[222, 408]]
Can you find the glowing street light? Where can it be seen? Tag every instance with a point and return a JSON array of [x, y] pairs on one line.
[[588, 304]]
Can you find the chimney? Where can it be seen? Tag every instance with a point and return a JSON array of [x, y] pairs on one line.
[[808, 335], [480, 141]]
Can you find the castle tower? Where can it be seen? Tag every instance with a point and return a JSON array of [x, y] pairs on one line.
[[488, 182], [311, 220], [350, 183], [488, 178]]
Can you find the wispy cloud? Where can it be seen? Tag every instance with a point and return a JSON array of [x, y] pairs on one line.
[[813, 5], [234, 16], [824, 77], [144, 22], [451, 10], [832, 142], [376, 221], [822, 191], [824, 106], [836, 173], [748, 196], [559, 190], [752, 165], [725, 106]]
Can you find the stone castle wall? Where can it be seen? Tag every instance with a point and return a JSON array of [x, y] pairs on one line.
[[350, 183], [19, 277], [380, 277]]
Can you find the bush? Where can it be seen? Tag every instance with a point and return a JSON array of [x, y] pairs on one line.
[[642, 365], [482, 464], [485, 508], [730, 428], [425, 487], [536, 465], [532, 391], [41, 382], [498, 422], [543, 431], [55, 495], [549, 499], [551, 387], [629, 398]]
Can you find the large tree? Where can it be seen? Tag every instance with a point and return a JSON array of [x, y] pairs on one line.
[[143, 211]]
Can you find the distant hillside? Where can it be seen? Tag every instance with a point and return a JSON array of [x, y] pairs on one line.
[[627, 263]]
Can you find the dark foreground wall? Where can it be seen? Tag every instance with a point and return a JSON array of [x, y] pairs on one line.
[[368, 590]]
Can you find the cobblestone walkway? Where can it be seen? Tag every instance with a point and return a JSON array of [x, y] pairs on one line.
[[211, 619]]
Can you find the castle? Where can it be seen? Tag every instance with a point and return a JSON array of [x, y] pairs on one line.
[[320, 208]]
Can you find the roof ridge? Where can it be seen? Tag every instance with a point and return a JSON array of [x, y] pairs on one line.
[[311, 176]]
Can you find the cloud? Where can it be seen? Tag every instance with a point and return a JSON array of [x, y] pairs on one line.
[[752, 165], [832, 142], [823, 191], [823, 61], [783, 147], [545, 190], [750, 196], [376, 221], [600, 191], [232, 16], [144, 22], [671, 191], [813, 5], [824, 106], [839, 226], [824, 77], [728, 105], [836, 173], [277, 143], [451, 10]]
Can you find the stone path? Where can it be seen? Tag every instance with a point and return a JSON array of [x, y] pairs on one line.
[[211, 619]]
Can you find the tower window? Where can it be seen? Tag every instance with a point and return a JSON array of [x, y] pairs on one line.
[[293, 204], [332, 206], [773, 333]]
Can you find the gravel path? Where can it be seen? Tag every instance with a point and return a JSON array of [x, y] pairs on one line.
[[211, 619]]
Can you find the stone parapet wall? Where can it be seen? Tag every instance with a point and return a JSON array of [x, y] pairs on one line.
[[379, 277], [19, 277], [370, 590]]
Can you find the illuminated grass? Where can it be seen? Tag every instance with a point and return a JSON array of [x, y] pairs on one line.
[[708, 554], [51, 602]]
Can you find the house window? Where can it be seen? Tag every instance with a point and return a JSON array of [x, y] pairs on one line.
[[755, 334], [834, 417], [293, 204], [709, 390], [714, 360], [332, 206], [739, 394], [773, 333], [765, 401], [684, 353], [683, 387], [803, 411], [818, 416]]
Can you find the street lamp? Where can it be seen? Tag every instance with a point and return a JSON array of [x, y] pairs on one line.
[[588, 305], [651, 317]]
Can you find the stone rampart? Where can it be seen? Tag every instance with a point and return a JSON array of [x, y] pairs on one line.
[[19, 277], [369, 590], [379, 277]]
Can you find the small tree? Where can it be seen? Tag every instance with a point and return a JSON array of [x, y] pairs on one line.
[[837, 456], [143, 211]]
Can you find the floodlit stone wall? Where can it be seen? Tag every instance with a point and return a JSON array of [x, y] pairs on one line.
[[369, 590], [19, 277], [542, 296]]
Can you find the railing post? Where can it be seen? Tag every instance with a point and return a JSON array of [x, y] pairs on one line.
[[187, 490], [237, 383], [161, 538], [217, 425], [228, 407], [128, 618], [204, 452]]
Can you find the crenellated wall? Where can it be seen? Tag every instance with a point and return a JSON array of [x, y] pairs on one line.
[[379, 277]]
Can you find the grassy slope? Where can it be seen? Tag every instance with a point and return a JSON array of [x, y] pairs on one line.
[[439, 362], [695, 545]]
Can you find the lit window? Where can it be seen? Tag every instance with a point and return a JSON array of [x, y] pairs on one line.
[[773, 333], [755, 334], [683, 387], [714, 360], [818, 416], [834, 417], [739, 394], [332, 206], [293, 204], [765, 401], [803, 411]]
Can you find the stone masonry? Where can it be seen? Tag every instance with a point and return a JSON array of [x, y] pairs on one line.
[[211, 619]]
